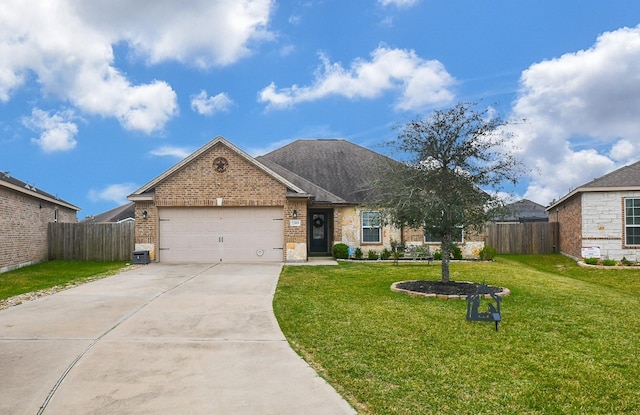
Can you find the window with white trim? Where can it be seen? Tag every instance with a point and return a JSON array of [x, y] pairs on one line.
[[632, 221], [371, 229]]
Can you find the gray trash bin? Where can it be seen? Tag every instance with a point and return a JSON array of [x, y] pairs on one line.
[[140, 257]]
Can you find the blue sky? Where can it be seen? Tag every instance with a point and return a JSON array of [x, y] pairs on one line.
[[99, 97]]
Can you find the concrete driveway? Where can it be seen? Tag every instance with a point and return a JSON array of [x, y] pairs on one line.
[[159, 339]]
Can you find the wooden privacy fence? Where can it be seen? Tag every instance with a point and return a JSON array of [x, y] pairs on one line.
[[523, 238], [91, 241]]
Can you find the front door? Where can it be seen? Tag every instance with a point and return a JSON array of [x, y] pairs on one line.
[[319, 232]]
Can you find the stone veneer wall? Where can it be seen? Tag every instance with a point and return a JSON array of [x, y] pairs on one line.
[[350, 232], [603, 224], [23, 228]]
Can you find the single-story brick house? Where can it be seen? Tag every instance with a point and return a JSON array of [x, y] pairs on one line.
[[523, 211], [25, 212], [221, 204], [601, 218]]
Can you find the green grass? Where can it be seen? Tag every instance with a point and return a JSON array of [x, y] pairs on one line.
[[50, 274], [569, 341]]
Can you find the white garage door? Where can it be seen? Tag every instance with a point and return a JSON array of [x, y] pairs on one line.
[[221, 234]]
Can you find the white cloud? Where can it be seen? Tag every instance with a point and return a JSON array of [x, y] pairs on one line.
[[586, 99], [170, 151], [398, 3], [421, 83], [116, 193], [203, 104], [200, 32], [66, 45], [57, 132], [624, 151]]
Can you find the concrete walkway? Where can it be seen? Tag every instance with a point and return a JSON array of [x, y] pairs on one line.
[[159, 339]]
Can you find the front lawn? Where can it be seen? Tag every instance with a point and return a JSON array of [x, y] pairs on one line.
[[568, 344], [46, 275]]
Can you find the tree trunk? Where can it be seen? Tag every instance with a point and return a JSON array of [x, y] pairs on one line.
[[445, 248]]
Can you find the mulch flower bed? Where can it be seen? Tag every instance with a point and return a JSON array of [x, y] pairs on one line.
[[440, 289]]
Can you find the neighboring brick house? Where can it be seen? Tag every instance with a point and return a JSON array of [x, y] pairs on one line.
[[601, 216], [124, 213], [522, 211], [220, 204], [25, 212]]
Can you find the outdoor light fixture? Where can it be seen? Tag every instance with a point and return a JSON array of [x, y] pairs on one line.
[[144, 214], [295, 214]]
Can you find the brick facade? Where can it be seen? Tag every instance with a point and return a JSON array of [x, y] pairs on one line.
[[569, 215], [242, 184], [198, 184], [23, 227]]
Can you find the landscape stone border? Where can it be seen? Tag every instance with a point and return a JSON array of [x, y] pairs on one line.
[[394, 287], [585, 265]]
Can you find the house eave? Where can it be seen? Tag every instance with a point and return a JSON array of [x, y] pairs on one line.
[[39, 196], [593, 190], [145, 197]]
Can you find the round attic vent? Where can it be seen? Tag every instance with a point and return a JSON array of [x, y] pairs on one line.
[[220, 164]]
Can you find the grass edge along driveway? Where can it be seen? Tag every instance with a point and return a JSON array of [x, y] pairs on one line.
[[54, 276], [568, 343]]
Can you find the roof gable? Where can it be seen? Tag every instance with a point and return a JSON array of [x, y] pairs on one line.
[[149, 187], [337, 166]]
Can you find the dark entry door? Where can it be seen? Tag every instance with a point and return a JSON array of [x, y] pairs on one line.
[[319, 232]]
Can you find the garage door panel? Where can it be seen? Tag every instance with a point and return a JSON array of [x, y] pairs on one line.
[[221, 233]]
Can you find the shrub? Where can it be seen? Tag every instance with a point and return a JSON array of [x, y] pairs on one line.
[[341, 251], [456, 252], [609, 262], [437, 255], [487, 253], [372, 254], [386, 254], [591, 261], [359, 254]]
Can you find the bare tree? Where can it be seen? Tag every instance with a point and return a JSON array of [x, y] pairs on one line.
[[450, 161]]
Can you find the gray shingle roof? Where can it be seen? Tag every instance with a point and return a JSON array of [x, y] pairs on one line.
[[338, 167], [524, 211], [626, 176], [118, 214]]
